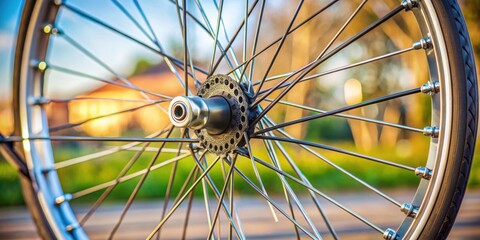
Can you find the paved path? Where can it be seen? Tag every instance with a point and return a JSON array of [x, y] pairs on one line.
[[15, 223]]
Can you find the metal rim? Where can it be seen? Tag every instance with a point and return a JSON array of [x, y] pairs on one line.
[[40, 157]]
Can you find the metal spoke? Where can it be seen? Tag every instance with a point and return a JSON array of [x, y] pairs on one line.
[[347, 116], [98, 139], [280, 38], [214, 35], [314, 190], [334, 149], [324, 73], [76, 124], [108, 68], [171, 180], [303, 144], [307, 182], [274, 204], [89, 17], [257, 174], [132, 19], [84, 75], [175, 207], [125, 178], [232, 40], [255, 43], [89, 157], [343, 109], [217, 32], [137, 187], [280, 45], [237, 227], [66, 100], [122, 173], [159, 45], [220, 200], [322, 59], [288, 190]]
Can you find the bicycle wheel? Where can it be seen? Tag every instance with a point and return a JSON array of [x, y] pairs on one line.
[[245, 100]]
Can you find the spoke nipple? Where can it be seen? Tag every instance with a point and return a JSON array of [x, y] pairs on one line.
[[72, 227], [409, 210], [50, 29], [58, 2], [410, 4], [424, 43], [423, 172], [61, 199], [390, 234], [41, 65], [431, 131], [430, 88], [38, 101]]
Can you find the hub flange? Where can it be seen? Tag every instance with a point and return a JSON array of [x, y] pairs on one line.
[[218, 114]]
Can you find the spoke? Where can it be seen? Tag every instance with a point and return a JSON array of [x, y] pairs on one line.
[[238, 229], [257, 174], [171, 180], [343, 109], [84, 75], [303, 144], [182, 199], [360, 6], [157, 43], [255, 42], [347, 116], [66, 100], [192, 175], [245, 33], [288, 190], [89, 157], [280, 38], [280, 45], [104, 65], [220, 200], [274, 204], [232, 40], [334, 149], [100, 139], [87, 16], [217, 32], [132, 19], [321, 74], [137, 187], [314, 64], [107, 191], [187, 216], [126, 177], [307, 182], [183, 24], [212, 33], [230, 198], [308, 187], [76, 124]]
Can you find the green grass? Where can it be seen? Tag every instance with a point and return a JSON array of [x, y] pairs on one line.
[[321, 175]]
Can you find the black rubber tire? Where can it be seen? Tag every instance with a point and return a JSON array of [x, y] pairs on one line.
[[465, 118]]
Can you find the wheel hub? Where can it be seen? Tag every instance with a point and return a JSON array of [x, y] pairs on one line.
[[219, 114]]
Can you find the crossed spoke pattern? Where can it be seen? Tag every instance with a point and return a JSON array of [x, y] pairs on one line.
[[245, 50]]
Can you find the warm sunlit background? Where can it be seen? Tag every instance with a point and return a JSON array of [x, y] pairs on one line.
[[365, 137]]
